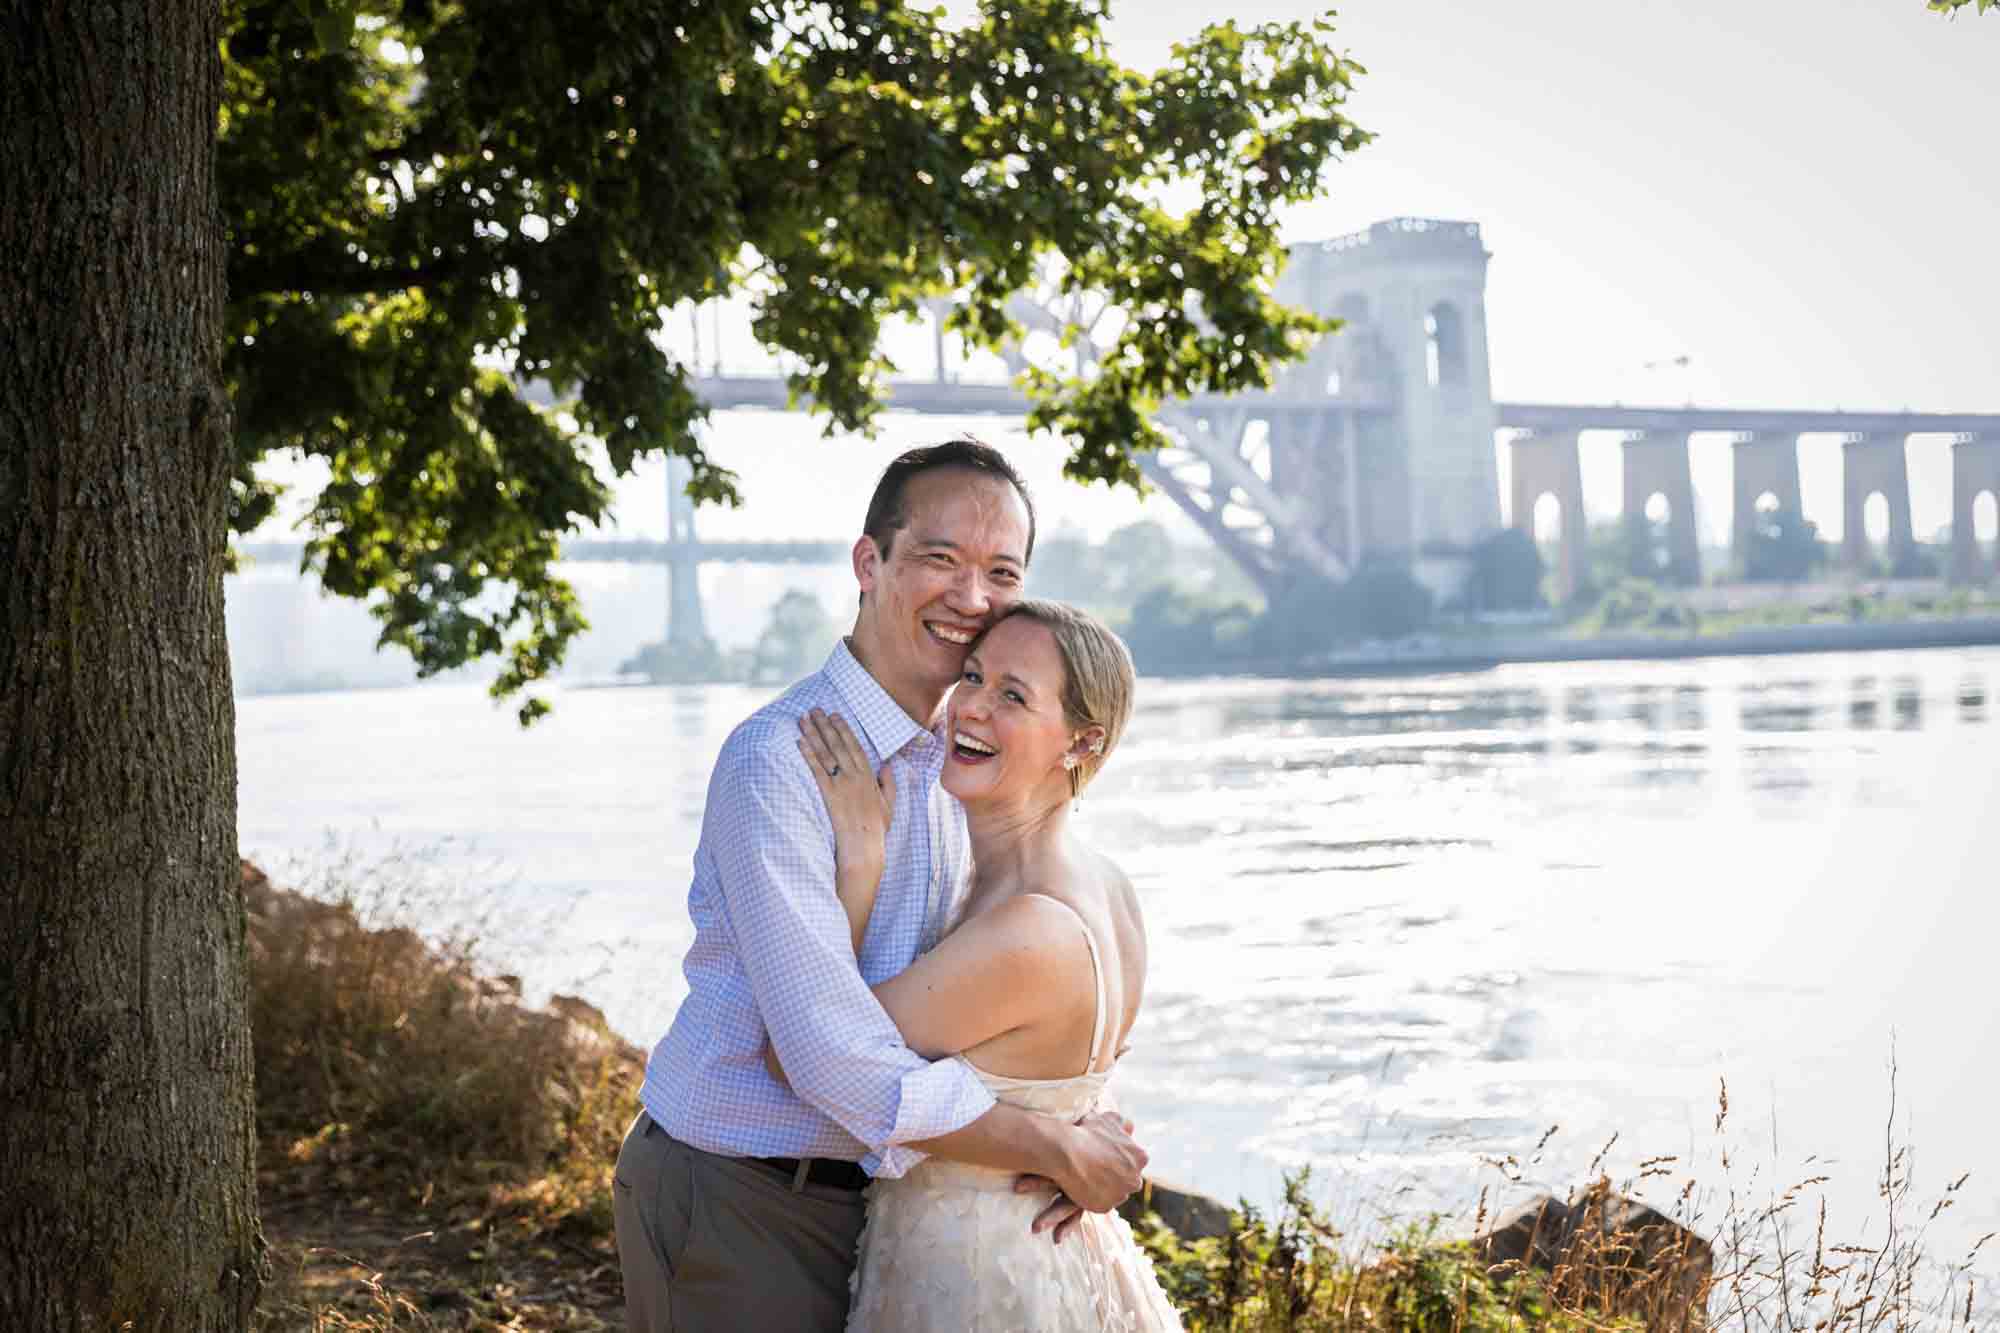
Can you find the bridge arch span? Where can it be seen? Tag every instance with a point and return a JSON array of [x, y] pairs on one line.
[[1551, 522], [1655, 556], [1875, 523]]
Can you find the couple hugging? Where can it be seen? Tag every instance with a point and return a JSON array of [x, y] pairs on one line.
[[907, 974]]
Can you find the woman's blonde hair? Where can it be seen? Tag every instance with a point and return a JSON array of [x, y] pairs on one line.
[[1098, 677]]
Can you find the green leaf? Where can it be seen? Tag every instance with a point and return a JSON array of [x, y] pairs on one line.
[[333, 23]]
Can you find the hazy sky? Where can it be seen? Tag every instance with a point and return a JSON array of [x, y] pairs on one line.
[[1801, 196]]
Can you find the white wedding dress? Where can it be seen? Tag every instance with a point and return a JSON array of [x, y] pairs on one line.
[[948, 1246]]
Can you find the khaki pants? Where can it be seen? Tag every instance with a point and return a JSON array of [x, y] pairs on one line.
[[712, 1243]]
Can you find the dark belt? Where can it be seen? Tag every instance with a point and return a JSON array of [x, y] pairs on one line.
[[829, 1171]]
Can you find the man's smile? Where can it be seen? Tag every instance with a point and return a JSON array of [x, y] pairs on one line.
[[958, 636]]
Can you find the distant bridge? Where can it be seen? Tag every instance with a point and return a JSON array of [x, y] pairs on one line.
[[1381, 442]]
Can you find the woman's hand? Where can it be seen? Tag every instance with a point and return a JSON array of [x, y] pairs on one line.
[[859, 803]]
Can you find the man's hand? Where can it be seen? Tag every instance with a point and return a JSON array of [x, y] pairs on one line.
[[1105, 1167]]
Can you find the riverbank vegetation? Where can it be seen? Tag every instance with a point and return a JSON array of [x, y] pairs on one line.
[[433, 1154], [1188, 609]]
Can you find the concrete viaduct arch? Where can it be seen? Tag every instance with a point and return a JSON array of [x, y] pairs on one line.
[[1975, 469], [1549, 463], [1761, 464], [1656, 463], [1874, 464]]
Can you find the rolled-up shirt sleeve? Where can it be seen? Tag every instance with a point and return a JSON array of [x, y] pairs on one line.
[[773, 847]]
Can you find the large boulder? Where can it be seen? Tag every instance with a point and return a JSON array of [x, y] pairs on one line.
[[1621, 1255], [1189, 1215]]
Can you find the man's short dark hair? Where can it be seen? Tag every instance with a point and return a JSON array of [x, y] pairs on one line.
[[887, 515]]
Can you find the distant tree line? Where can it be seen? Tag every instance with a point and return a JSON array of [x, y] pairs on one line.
[[1188, 607], [795, 640], [1181, 607]]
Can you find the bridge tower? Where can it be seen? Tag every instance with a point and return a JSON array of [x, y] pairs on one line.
[[685, 626], [1413, 291]]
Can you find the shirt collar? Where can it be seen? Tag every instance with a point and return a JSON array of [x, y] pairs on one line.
[[879, 718]]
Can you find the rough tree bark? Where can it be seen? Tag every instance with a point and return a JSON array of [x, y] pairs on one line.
[[126, 1117]]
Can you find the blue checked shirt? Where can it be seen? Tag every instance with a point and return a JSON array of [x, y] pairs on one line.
[[772, 951]]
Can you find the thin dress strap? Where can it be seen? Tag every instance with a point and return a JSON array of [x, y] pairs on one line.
[[1097, 986]]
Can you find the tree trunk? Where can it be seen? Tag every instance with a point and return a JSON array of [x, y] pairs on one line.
[[126, 1116]]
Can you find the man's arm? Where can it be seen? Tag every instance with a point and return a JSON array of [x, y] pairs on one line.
[[1095, 1162], [772, 848], [1008, 968]]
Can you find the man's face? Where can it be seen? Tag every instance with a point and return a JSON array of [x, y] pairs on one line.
[[951, 569]]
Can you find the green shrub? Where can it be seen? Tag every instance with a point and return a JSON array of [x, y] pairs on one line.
[[1290, 1276], [1507, 571], [1381, 601]]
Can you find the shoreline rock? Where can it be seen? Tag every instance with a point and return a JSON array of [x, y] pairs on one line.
[[1188, 1213], [1639, 1261]]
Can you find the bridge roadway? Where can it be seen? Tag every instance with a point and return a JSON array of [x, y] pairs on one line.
[[952, 398], [1776, 421]]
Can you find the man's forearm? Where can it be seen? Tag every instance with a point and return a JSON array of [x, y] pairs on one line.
[[1006, 1138], [1094, 1162]]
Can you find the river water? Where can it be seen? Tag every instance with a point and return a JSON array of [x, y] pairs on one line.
[[1401, 927]]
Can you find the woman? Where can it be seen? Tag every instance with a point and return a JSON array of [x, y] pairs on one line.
[[1035, 986]]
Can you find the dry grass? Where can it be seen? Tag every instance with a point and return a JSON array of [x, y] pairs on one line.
[[432, 1153], [1779, 1268]]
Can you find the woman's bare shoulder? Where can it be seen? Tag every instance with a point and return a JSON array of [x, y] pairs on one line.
[[1047, 914]]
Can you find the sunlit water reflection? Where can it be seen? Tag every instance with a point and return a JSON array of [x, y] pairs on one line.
[[1400, 927]]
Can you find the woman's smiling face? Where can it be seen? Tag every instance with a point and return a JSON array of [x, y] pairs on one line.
[[1008, 734]]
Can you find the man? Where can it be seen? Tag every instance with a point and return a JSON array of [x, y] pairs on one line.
[[738, 1197]]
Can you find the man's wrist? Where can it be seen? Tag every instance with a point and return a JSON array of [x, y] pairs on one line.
[[1057, 1150]]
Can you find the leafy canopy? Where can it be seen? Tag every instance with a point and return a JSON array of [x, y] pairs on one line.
[[431, 202], [1953, 6]]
